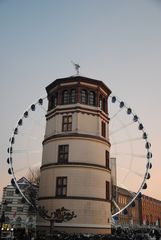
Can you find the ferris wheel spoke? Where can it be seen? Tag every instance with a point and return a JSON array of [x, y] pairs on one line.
[[133, 194], [22, 151], [115, 114], [116, 205], [27, 135], [43, 108], [130, 170], [120, 129], [134, 155], [28, 168], [126, 141], [38, 123], [20, 170]]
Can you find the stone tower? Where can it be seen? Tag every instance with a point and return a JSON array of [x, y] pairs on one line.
[[75, 171]]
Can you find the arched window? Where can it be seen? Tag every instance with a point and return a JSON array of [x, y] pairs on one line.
[[92, 100], [65, 97], [72, 96], [84, 96], [54, 100], [101, 102], [104, 105]]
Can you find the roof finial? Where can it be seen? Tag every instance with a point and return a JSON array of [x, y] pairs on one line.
[[76, 66]]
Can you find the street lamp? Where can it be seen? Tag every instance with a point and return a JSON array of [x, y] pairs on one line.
[[2, 220], [11, 233]]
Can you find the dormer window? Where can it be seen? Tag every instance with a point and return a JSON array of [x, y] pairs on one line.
[[84, 96], [72, 96], [103, 103], [65, 97], [92, 97], [54, 100]]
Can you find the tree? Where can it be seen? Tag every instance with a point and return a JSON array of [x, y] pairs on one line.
[[58, 216], [31, 191], [33, 176]]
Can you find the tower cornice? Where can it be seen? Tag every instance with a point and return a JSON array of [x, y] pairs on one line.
[[76, 136], [77, 79]]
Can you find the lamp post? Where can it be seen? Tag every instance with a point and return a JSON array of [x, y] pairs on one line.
[[11, 233], [2, 220]]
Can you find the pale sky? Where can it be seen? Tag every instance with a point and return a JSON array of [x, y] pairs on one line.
[[118, 42]]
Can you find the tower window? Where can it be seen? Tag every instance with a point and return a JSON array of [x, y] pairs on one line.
[[101, 102], [8, 209], [103, 129], [107, 159], [63, 153], [104, 104], [84, 97], [67, 123], [53, 100], [10, 193], [92, 98], [19, 209], [65, 97], [72, 96], [107, 190], [61, 186]]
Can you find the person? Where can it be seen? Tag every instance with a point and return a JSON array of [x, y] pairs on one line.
[[156, 234]]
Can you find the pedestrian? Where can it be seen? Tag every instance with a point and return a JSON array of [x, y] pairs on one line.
[[156, 234]]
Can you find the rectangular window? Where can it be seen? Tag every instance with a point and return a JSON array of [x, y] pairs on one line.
[[72, 98], [63, 153], [91, 98], [65, 97], [9, 193], [19, 201], [107, 159], [107, 190], [67, 123], [53, 100], [19, 209], [9, 200], [8, 209], [61, 186], [103, 129], [84, 96]]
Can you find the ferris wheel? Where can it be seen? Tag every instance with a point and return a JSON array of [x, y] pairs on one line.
[[130, 154]]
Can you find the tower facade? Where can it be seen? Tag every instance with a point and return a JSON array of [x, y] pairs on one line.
[[75, 171]]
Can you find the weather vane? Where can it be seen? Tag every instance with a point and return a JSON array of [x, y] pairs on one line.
[[76, 66]]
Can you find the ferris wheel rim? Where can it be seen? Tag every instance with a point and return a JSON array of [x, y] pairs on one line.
[[122, 105]]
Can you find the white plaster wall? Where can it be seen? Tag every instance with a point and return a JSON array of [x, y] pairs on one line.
[[89, 213], [80, 150], [53, 126], [81, 181], [88, 124], [81, 123]]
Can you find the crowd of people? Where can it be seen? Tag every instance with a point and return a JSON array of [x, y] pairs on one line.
[[117, 234]]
